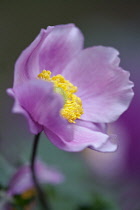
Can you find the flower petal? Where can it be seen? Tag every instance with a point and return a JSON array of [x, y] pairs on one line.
[[22, 179], [90, 136], [48, 174], [39, 101], [103, 86], [35, 128], [27, 65], [108, 146], [52, 49], [59, 47]]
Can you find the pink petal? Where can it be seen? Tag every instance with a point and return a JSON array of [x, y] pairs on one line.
[[48, 174], [27, 65], [103, 86], [51, 50], [108, 146], [86, 134], [35, 128], [22, 179], [61, 45], [39, 101]]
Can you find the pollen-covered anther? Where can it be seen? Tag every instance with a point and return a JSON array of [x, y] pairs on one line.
[[72, 108], [45, 75]]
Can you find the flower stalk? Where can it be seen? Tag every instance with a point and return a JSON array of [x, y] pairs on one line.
[[42, 198]]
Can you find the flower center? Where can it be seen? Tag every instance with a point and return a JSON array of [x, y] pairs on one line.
[[72, 108], [28, 194]]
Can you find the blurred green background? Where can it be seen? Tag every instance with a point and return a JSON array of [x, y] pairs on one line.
[[109, 23]]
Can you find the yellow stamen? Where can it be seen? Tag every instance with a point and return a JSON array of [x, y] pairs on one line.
[[28, 194], [72, 108]]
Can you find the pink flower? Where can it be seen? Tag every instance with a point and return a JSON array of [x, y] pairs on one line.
[[71, 121], [22, 182]]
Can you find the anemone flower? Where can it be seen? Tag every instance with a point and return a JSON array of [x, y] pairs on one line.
[[21, 182], [69, 92]]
